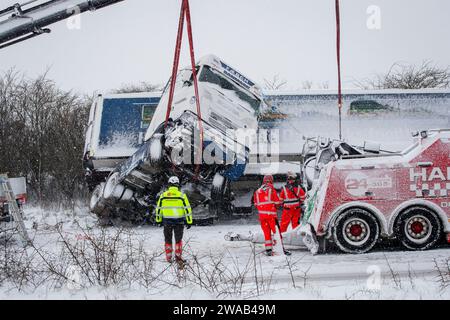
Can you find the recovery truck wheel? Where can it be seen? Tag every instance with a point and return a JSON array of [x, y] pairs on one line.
[[418, 228], [356, 231]]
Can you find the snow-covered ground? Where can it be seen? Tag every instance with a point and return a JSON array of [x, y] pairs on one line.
[[73, 258]]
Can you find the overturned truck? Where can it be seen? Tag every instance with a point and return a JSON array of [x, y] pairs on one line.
[[207, 153]]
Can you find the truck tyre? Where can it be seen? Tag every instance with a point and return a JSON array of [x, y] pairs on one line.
[[217, 194], [418, 228], [96, 203], [111, 183], [155, 150], [220, 196], [356, 231]]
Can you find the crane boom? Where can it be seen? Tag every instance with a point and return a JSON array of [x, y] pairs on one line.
[[24, 22]]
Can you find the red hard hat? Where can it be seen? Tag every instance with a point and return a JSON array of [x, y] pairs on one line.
[[268, 179]]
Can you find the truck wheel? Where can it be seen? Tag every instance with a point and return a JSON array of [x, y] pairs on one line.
[[217, 194], [418, 228], [111, 183], [356, 231], [155, 150], [218, 185], [96, 203]]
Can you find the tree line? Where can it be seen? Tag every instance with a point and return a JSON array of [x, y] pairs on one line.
[[42, 132]]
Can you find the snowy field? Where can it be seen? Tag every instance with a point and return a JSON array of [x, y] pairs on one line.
[[73, 258]]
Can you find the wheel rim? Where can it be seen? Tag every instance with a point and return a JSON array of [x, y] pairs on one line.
[[96, 195], [356, 231], [418, 229], [110, 185], [94, 200]]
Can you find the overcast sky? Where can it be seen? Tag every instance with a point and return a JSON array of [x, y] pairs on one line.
[[134, 40]]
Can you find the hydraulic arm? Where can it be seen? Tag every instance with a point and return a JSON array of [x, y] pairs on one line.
[[20, 22]]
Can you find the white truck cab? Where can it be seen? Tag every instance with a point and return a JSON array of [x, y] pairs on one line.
[[228, 100]]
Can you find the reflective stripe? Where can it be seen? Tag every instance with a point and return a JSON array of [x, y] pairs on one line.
[[173, 207], [266, 212], [173, 217], [291, 201], [266, 202], [291, 205]]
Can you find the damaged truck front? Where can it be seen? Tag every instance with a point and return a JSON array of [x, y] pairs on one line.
[[205, 153]]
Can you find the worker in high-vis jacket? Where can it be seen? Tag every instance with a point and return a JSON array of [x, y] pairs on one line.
[[174, 211], [292, 197], [266, 202]]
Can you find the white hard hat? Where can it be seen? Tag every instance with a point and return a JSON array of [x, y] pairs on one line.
[[291, 174], [174, 180]]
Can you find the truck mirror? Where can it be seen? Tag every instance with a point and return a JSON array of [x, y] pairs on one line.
[[424, 134], [372, 147]]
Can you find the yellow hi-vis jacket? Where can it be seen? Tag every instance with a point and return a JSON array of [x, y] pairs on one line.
[[173, 206]]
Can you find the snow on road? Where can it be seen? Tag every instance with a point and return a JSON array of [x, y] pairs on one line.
[[223, 269]]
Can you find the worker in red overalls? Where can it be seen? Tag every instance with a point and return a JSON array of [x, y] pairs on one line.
[[266, 201], [292, 196]]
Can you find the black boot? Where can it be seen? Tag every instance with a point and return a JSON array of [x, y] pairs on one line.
[[287, 253], [269, 252]]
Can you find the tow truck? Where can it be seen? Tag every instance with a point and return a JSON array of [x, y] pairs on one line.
[[357, 197]]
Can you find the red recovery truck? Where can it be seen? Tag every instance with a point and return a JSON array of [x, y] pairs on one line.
[[356, 200]]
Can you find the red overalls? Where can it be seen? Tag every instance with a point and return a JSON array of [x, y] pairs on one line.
[[266, 201], [292, 198]]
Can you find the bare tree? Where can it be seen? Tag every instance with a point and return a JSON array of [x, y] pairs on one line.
[[307, 85], [275, 83], [407, 76], [324, 85], [137, 87], [42, 135]]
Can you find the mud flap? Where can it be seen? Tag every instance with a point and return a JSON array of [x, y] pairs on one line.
[[309, 238]]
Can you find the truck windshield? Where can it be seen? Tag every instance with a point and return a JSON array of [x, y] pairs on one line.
[[214, 77]]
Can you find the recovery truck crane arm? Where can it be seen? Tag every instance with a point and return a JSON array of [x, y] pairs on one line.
[[23, 22]]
